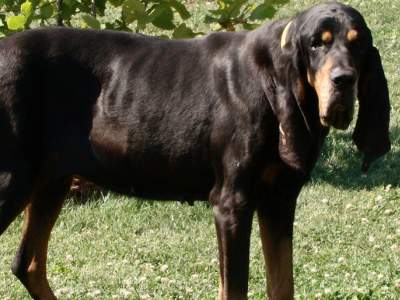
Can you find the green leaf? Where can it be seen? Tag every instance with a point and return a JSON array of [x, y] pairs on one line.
[[216, 12], [250, 26], [183, 32], [46, 11], [163, 17], [68, 8], [210, 19], [180, 8], [100, 6], [263, 11], [26, 8], [280, 2], [118, 25], [66, 12], [235, 8], [116, 3], [91, 21], [132, 10], [16, 22], [85, 6], [71, 3]]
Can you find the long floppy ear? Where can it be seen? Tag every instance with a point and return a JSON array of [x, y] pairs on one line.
[[295, 136], [284, 86], [371, 134]]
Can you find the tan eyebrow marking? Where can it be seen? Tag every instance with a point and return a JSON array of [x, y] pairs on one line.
[[352, 35], [326, 36]]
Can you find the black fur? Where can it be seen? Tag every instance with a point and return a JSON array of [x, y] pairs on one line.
[[231, 117]]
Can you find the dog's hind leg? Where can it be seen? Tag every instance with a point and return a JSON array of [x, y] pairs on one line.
[[39, 217], [16, 185]]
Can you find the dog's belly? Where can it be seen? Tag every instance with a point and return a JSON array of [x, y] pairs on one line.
[[153, 177], [137, 182], [149, 162]]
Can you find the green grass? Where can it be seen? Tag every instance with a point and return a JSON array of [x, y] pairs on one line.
[[347, 230]]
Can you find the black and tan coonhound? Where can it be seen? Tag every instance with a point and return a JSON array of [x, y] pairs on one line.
[[235, 118]]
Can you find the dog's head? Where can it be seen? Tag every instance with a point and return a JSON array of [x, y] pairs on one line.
[[331, 50]]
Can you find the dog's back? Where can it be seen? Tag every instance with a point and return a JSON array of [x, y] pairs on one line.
[[131, 112]]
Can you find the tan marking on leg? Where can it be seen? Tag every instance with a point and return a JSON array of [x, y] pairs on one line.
[[38, 281], [39, 218], [327, 37], [278, 256], [221, 289], [352, 35], [36, 236], [218, 216], [322, 84]]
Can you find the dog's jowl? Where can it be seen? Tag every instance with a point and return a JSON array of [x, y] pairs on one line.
[[237, 119]]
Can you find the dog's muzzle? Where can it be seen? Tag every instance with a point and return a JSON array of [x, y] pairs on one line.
[[340, 107]]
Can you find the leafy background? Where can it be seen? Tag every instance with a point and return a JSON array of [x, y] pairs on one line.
[[170, 17]]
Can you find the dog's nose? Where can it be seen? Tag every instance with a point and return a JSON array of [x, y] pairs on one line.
[[343, 78]]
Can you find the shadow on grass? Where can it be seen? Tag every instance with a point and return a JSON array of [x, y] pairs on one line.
[[340, 164]]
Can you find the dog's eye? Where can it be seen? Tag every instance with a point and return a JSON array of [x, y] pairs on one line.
[[316, 44]]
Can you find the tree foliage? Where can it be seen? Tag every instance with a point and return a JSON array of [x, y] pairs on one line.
[[171, 17]]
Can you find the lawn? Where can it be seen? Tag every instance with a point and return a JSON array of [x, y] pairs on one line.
[[347, 230]]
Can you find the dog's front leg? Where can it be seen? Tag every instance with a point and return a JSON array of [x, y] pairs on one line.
[[276, 229], [233, 218]]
